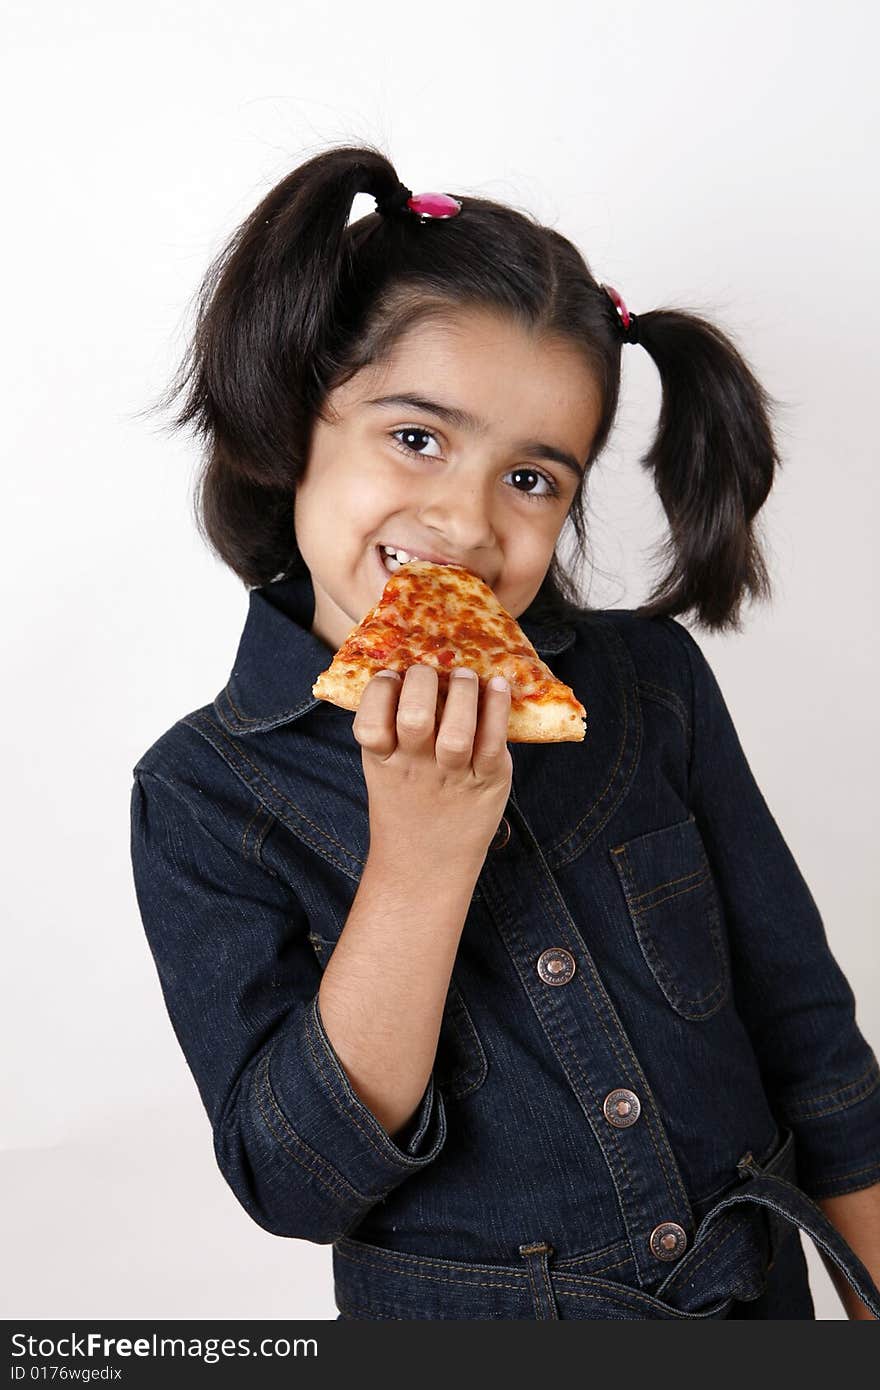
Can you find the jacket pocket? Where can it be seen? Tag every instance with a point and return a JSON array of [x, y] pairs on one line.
[[460, 1064], [676, 913]]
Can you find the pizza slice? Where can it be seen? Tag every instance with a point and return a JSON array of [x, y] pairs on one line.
[[445, 616]]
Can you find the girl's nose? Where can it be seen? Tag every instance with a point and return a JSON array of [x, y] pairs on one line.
[[460, 520]]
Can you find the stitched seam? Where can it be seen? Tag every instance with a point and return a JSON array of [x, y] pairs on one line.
[[826, 1095], [570, 1261], [397, 1259], [378, 1256], [669, 896], [600, 1269], [854, 1099], [683, 638], [823, 1187], [244, 838], [545, 1280], [261, 840], [280, 794], [535, 1294], [572, 1052], [386, 1263], [665, 979], [260, 719], [669, 984], [660, 694], [391, 1268], [856, 1172], [623, 1293], [335, 1184], [455, 1025], [861, 1087], [599, 799], [331, 1081], [713, 1244], [618, 1295], [262, 777], [471, 1056], [684, 878], [820, 1240], [606, 1004], [609, 1251]]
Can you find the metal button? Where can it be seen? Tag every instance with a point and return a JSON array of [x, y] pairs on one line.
[[668, 1240], [502, 834], [556, 966], [622, 1108]]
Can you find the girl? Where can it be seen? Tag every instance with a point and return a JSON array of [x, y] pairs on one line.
[[541, 1031]]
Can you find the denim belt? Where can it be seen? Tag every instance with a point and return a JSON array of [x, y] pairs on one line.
[[736, 1241]]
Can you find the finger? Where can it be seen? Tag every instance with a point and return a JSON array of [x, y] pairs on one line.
[[490, 741], [374, 721], [455, 737], [417, 709]]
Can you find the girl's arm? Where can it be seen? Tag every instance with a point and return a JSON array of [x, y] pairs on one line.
[[383, 991], [301, 1151], [857, 1217]]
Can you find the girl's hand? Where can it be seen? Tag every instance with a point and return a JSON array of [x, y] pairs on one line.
[[434, 799]]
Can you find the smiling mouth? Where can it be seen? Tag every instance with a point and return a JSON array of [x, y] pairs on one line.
[[391, 564]]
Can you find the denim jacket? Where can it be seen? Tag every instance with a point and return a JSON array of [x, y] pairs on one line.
[[649, 1064]]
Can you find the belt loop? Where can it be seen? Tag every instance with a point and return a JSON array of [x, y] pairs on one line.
[[774, 1225], [536, 1255]]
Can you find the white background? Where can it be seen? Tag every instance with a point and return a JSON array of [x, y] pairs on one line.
[[714, 157]]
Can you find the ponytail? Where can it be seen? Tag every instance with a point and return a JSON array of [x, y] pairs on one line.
[[713, 461], [270, 308]]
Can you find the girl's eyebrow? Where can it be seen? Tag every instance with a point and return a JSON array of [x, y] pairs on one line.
[[464, 420]]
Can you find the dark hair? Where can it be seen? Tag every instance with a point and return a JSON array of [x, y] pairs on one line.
[[300, 299]]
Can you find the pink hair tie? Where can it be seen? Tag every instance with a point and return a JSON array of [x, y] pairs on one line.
[[426, 206], [627, 323]]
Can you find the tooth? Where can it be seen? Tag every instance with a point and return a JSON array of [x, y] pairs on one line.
[[404, 557]]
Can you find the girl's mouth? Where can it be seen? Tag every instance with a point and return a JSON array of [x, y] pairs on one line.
[[381, 557], [388, 563]]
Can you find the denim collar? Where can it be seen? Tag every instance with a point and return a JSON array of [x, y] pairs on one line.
[[279, 658]]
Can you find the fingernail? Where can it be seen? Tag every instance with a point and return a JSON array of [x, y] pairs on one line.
[[499, 683], [394, 674], [464, 671]]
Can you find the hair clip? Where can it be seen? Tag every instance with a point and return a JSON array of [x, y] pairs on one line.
[[627, 323], [426, 206]]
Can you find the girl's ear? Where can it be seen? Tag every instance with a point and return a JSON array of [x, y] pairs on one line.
[[713, 460]]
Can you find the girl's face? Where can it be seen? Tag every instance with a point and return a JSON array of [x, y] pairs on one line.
[[475, 472]]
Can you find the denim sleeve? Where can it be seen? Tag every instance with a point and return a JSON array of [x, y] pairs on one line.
[[820, 1074], [302, 1153]]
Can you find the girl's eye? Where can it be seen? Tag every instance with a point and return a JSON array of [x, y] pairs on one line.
[[552, 487]]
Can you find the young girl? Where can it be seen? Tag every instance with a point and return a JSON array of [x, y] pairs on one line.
[[528, 1031]]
